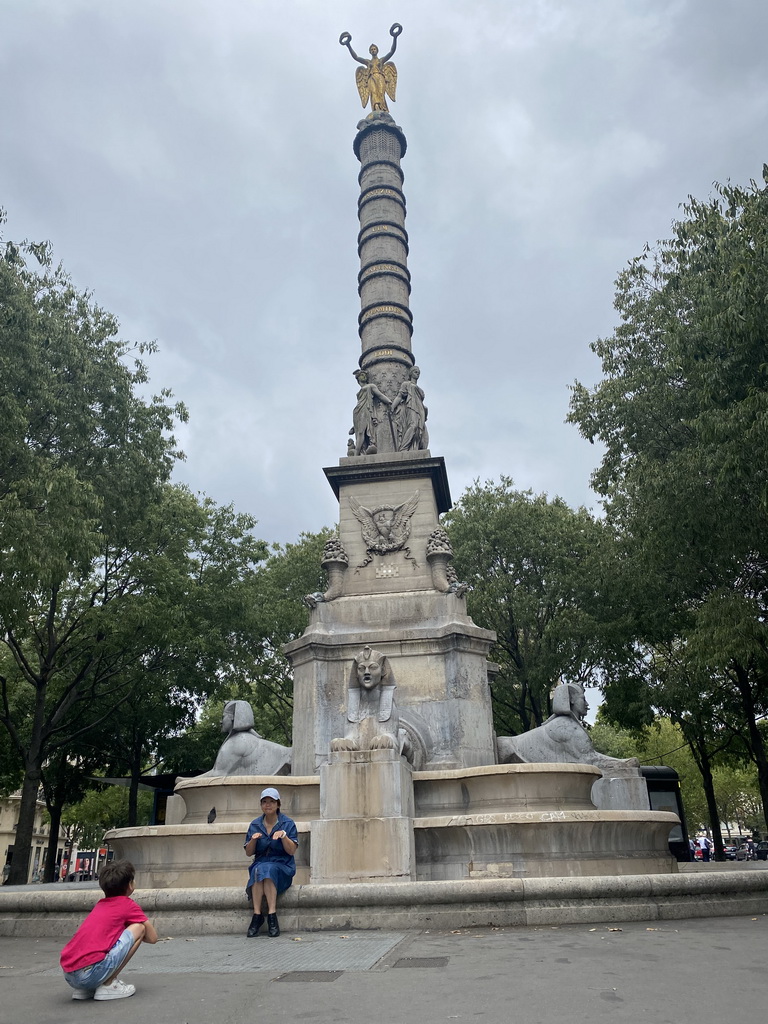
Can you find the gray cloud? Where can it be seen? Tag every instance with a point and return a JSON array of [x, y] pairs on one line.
[[192, 164]]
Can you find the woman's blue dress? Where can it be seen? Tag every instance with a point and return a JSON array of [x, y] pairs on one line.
[[270, 859]]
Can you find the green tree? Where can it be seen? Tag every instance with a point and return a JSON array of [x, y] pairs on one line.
[[290, 572], [682, 411], [278, 615], [612, 740], [195, 748], [203, 635], [64, 780], [660, 743], [738, 799], [11, 772], [664, 743], [534, 565], [100, 809], [84, 463]]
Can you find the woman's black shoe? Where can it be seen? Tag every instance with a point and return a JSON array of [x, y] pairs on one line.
[[256, 922], [273, 928]]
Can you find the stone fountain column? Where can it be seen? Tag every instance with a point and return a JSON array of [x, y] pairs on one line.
[[385, 323], [365, 833]]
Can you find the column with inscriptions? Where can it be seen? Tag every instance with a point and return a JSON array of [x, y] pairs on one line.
[[385, 321]]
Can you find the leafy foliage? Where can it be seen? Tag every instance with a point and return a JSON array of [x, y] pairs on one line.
[[534, 566], [290, 572], [100, 809], [682, 411], [277, 615], [110, 576]]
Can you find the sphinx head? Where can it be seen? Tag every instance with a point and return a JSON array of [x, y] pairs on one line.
[[569, 699], [371, 667], [237, 716]]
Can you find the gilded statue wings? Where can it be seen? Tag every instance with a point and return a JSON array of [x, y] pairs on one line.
[[363, 77], [390, 77]]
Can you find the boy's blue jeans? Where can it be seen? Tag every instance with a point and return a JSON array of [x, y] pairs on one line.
[[91, 977]]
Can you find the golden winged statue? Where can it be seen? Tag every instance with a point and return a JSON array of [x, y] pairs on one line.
[[377, 78]]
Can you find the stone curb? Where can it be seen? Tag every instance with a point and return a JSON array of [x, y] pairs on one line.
[[413, 905]]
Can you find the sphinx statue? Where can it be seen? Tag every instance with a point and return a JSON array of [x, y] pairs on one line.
[[244, 751], [373, 721], [562, 738]]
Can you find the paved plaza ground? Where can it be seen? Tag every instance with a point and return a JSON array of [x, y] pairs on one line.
[[704, 971]]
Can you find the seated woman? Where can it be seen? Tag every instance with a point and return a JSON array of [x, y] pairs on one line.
[[272, 840]]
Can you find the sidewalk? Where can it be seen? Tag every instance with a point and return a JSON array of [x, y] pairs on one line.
[[684, 972]]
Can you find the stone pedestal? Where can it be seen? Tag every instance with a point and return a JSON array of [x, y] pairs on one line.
[[621, 789], [440, 655], [390, 602], [365, 833]]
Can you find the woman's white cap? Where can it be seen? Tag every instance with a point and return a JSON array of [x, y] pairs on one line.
[[270, 791]]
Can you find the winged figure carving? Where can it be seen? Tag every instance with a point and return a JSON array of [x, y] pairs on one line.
[[385, 528]]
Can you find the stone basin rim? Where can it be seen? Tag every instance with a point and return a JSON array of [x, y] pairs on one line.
[[523, 818], [447, 774], [527, 818], [212, 781], [387, 893], [526, 768]]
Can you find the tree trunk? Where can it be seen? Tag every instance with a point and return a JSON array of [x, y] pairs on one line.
[[523, 712], [714, 814], [536, 709], [22, 843], [33, 776], [701, 756], [756, 741], [133, 797], [49, 873]]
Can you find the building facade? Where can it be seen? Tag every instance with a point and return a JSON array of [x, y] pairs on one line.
[[9, 819]]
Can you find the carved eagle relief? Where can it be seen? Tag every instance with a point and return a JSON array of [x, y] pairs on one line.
[[385, 528]]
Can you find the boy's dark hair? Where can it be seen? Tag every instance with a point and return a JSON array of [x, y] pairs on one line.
[[115, 877]]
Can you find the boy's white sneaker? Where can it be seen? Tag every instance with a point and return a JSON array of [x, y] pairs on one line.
[[117, 990], [83, 993]]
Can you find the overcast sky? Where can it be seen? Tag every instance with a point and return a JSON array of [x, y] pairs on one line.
[[191, 163]]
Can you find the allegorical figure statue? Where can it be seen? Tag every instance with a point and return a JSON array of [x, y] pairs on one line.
[[365, 416], [371, 711], [244, 751], [377, 78], [410, 414], [562, 738]]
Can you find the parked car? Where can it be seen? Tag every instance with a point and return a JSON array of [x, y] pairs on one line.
[[761, 851], [746, 851], [730, 852]]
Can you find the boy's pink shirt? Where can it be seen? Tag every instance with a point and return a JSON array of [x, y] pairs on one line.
[[100, 931]]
